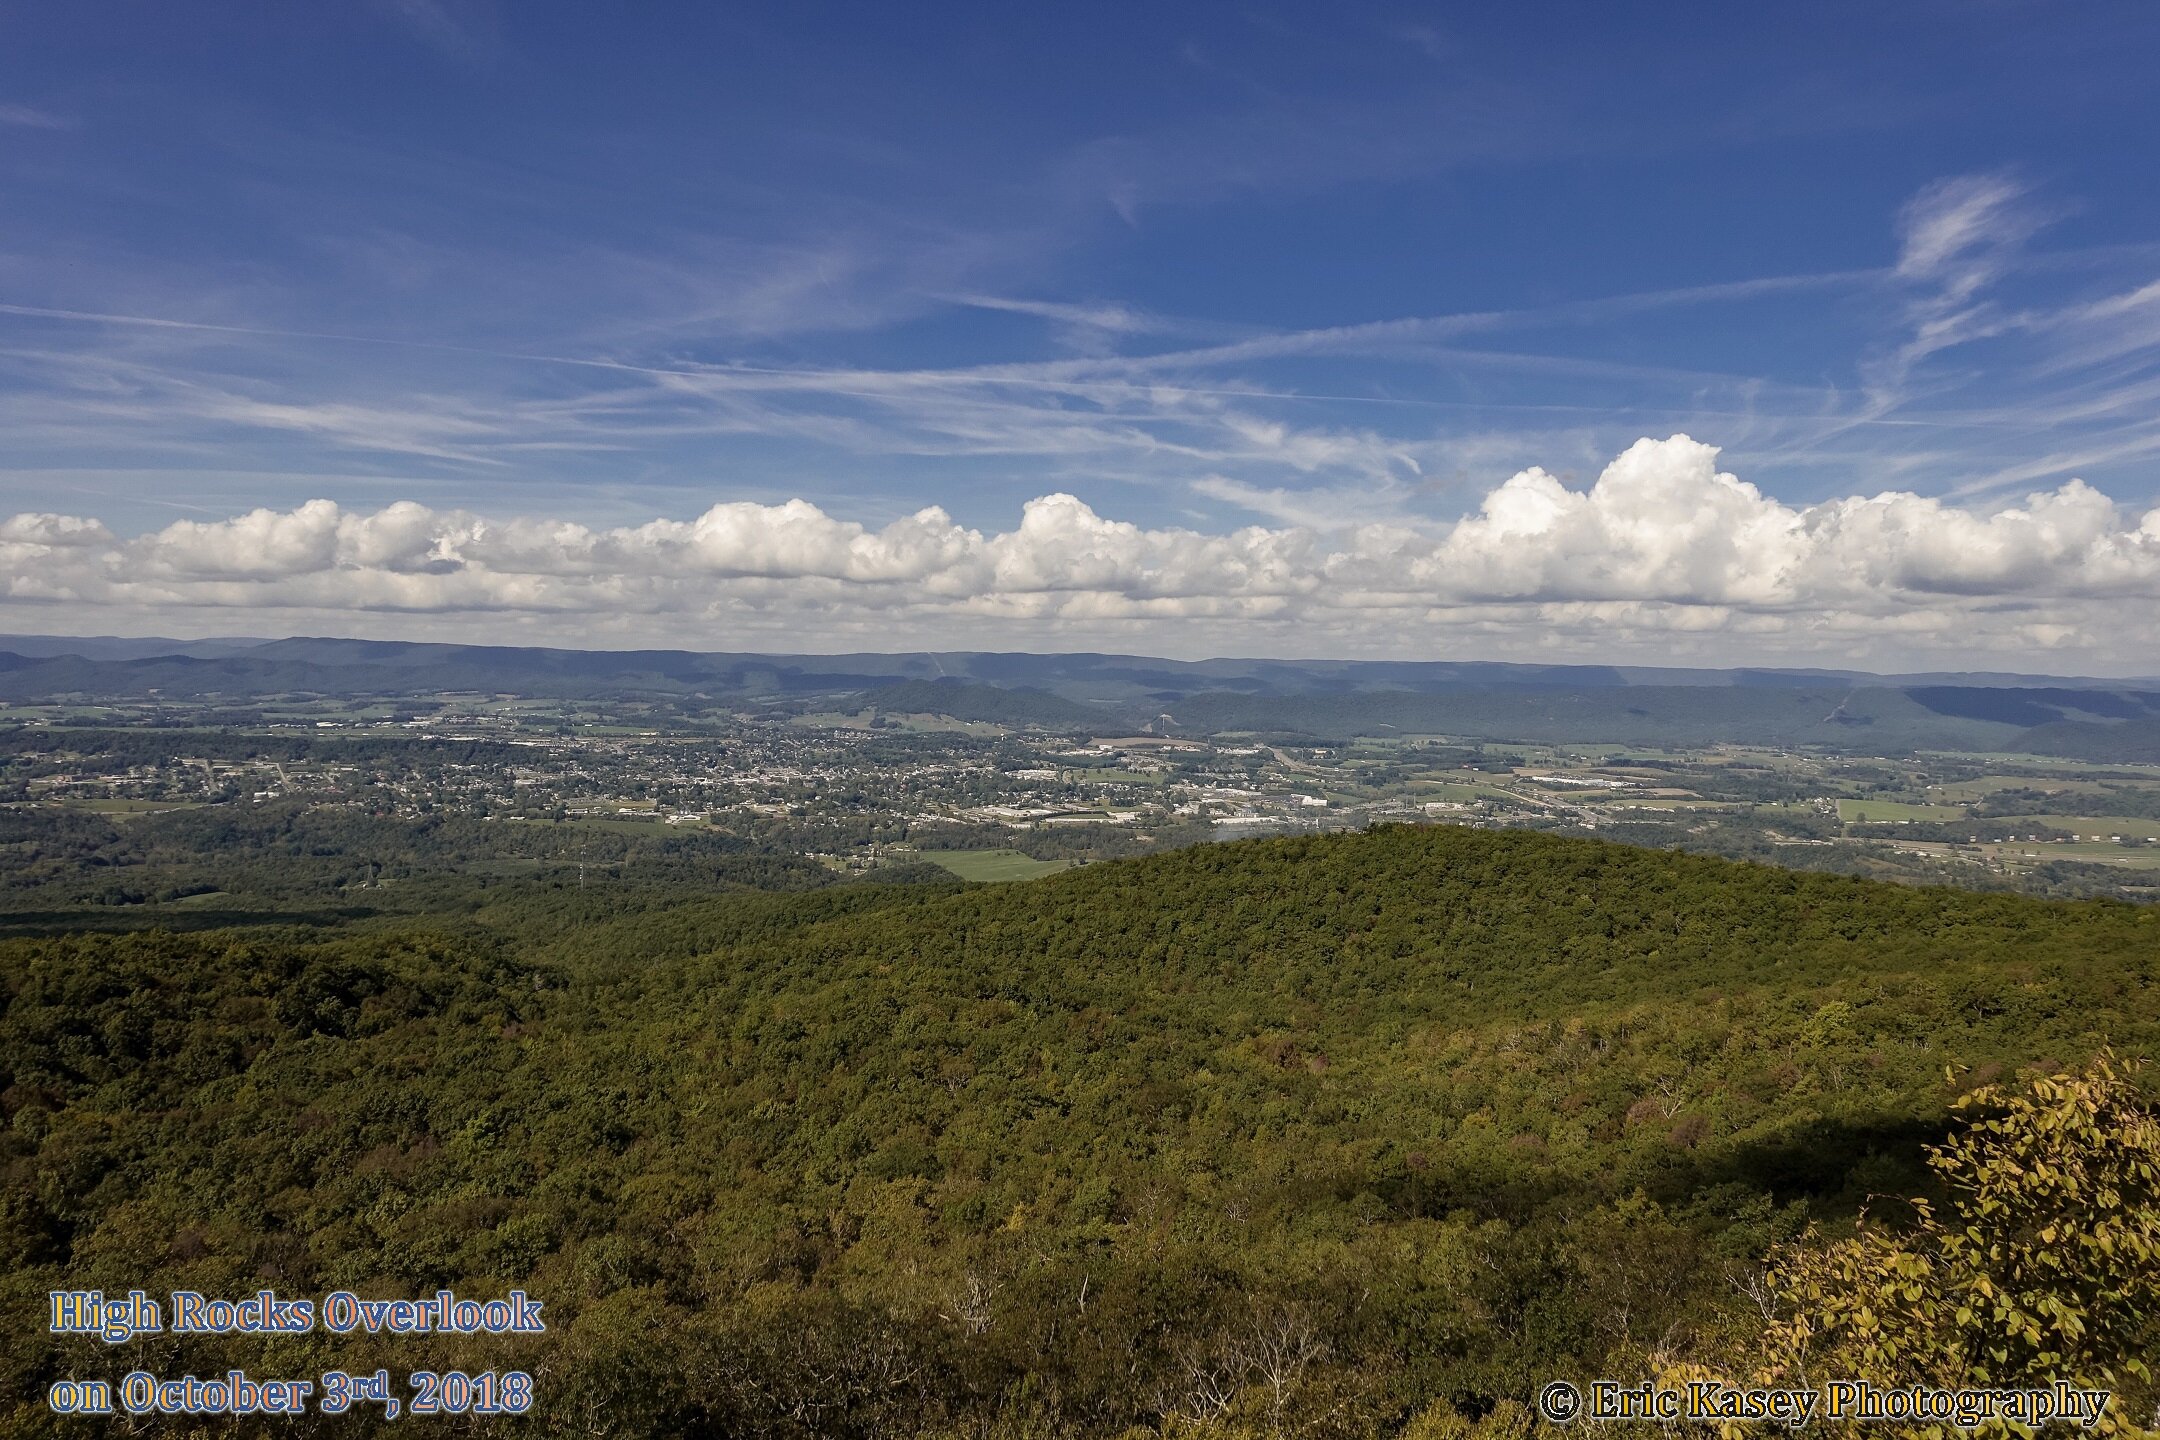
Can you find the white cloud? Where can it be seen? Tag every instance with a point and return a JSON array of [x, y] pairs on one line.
[[1951, 221], [1664, 552], [1113, 318], [260, 545], [59, 532], [1957, 236], [29, 117], [441, 26], [1346, 421]]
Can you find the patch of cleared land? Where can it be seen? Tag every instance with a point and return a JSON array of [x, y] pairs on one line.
[[993, 864], [1883, 812], [2107, 827]]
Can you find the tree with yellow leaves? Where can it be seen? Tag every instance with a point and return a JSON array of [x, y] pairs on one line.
[[2043, 1267]]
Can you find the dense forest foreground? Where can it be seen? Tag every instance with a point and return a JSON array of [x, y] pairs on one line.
[[1349, 1135]]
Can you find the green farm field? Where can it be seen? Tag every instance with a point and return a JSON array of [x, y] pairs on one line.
[[993, 864], [1880, 812]]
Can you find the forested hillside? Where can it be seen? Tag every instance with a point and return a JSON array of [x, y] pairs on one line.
[[1329, 1136]]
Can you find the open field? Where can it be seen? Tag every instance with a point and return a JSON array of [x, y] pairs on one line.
[[2050, 764], [993, 864], [1879, 812], [2128, 857], [1456, 790], [2106, 826], [126, 807], [1967, 791]]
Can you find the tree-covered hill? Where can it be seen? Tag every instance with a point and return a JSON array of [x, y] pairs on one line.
[[1325, 1136], [1017, 706]]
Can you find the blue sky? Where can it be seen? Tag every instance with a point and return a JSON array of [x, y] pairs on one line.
[[1203, 269]]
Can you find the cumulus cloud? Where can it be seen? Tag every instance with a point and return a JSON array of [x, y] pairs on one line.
[[59, 532], [1664, 548]]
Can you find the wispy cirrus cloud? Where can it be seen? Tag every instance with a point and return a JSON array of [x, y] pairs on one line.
[[32, 117], [1404, 418], [1110, 317], [1957, 237], [463, 31]]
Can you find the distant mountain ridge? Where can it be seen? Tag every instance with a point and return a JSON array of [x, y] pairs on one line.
[[2113, 721], [1012, 667], [121, 647]]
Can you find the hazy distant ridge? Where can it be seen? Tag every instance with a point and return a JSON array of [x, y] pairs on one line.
[[2115, 721]]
